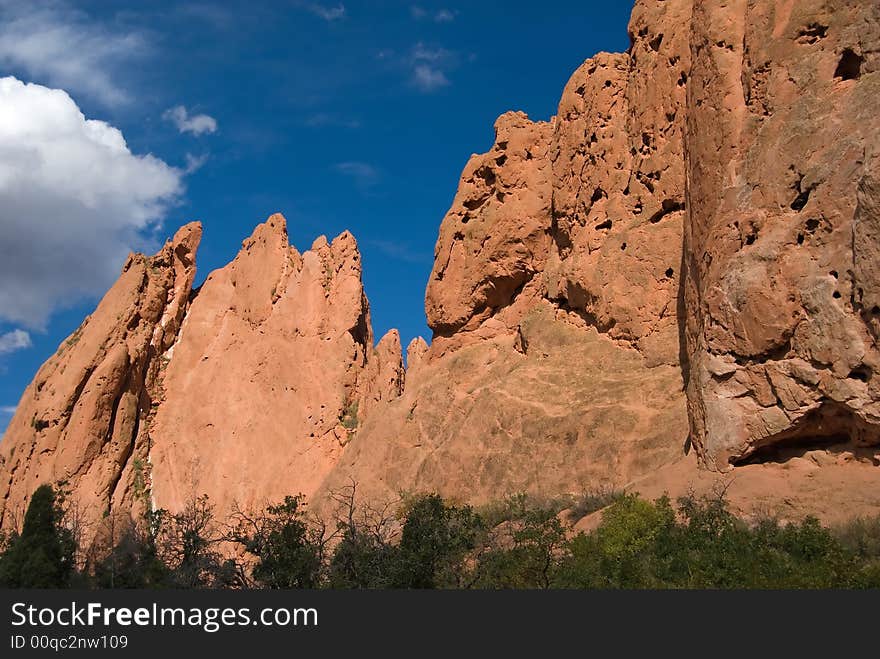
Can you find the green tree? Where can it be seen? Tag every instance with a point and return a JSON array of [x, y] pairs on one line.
[[525, 547], [42, 556], [132, 559], [435, 543], [289, 552]]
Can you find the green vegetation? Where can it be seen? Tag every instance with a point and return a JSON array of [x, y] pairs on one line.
[[428, 542], [41, 556], [349, 418]]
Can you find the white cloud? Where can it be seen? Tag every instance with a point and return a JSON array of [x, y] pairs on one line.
[[14, 340], [427, 78], [73, 202], [196, 124], [422, 53], [194, 163], [327, 13], [8, 410], [60, 47]]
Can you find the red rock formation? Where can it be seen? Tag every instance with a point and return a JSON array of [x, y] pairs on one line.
[[782, 230], [83, 421], [271, 375], [554, 297]]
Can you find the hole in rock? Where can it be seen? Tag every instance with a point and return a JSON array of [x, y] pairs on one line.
[[834, 274], [800, 239], [500, 160], [655, 42], [604, 225], [836, 295], [607, 83], [670, 272], [487, 175], [812, 33], [850, 65], [623, 247], [597, 195], [831, 429], [801, 200], [862, 373]]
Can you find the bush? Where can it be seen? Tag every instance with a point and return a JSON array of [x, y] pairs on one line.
[[524, 547], [289, 553], [436, 541]]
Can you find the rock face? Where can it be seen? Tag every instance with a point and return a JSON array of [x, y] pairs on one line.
[[84, 419], [782, 233], [554, 296], [688, 251], [273, 370]]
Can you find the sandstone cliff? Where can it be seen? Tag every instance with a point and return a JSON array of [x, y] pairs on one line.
[[781, 246], [554, 297], [684, 256], [83, 422]]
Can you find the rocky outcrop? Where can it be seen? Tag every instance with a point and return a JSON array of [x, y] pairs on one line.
[[782, 226], [554, 297], [271, 376], [83, 422]]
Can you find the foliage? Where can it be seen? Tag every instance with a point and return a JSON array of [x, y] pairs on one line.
[[435, 543], [289, 553], [42, 555], [428, 542]]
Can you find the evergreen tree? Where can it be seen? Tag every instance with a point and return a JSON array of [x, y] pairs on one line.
[[42, 556]]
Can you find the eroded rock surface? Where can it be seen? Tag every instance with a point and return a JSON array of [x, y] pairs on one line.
[[83, 422], [782, 229], [272, 375], [554, 297]]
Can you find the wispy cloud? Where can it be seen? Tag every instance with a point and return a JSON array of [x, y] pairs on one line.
[[364, 175], [327, 13], [196, 124], [62, 47], [14, 340], [438, 16], [194, 163], [428, 67], [323, 119], [8, 410], [428, 78]]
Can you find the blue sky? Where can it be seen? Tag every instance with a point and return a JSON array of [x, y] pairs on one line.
[[354, 115]]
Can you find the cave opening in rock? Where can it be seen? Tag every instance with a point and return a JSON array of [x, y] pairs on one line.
[[850, 65], [831, 430]]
